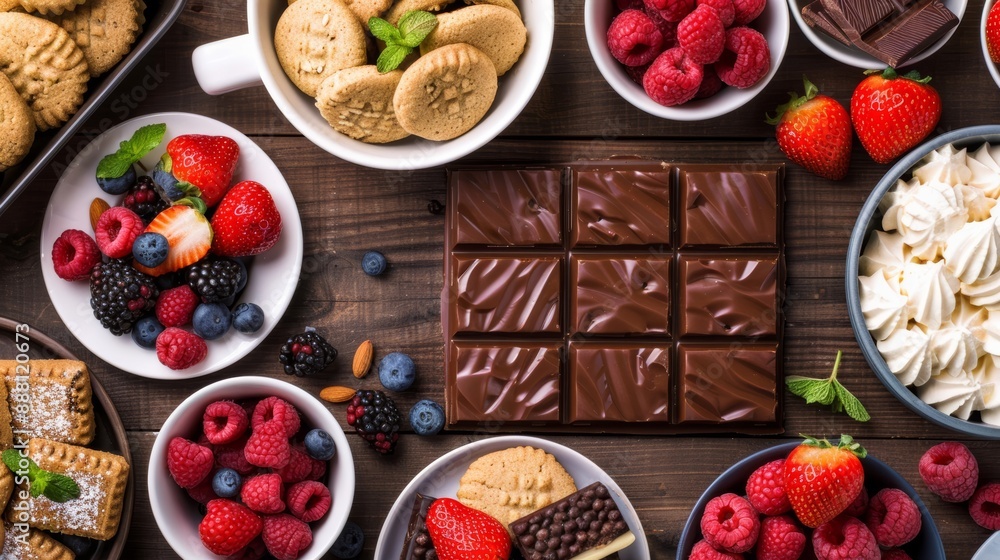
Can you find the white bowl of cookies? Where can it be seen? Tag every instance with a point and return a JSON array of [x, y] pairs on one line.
[[427, 83]]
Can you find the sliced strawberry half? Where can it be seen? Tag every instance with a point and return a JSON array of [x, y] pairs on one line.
[[188, 233]]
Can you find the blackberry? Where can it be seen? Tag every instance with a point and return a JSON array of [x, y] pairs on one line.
[[214, 280], [376, 419], [306, 353], [143, 199], [120, 295]]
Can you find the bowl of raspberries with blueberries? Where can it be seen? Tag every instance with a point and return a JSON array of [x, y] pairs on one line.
[[687, 60], [823, 499]]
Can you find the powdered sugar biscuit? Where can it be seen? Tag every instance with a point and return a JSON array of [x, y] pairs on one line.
[[512, 483], [445, 92], [315, 38], [367, 9], [104, 30], [46, 7], [6, 485], [358, 102], [60, 397], [17, 131], [37, 545], [496, 31], [509, 4], [402, 6], [45, 66]]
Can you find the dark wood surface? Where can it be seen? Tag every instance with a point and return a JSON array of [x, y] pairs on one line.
[[347, 209]]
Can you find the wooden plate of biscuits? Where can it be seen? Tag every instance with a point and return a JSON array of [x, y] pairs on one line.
[[108, 434]]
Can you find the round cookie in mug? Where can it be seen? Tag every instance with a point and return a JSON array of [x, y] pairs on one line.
[[315, 38]]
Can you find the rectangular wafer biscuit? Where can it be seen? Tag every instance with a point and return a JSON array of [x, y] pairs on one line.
[[32, 545], [102, 478], [50, 399]]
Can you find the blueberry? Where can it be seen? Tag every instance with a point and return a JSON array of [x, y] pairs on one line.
[[146, 330], [373, 263], [350, 542], [226, 483], [426, 418], [211, 320], [118, 185], [150, 249], [244, 275], [319, 445], [248, 318], [397, 372], [166, 184]]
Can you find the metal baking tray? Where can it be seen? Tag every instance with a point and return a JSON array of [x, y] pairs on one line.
[[160, 15]]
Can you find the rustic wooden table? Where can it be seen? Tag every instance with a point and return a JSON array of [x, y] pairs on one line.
[[348, 209]]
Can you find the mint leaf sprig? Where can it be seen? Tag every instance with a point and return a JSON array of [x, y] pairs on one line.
[[400, 41], [54, 486], [828, 392], [130, 151]]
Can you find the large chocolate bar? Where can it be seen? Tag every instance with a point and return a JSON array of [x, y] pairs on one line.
[[601, 297]]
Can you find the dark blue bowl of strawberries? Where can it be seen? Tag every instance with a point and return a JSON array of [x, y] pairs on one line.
[[887, 512]]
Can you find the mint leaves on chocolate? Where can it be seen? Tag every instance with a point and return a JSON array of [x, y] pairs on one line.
[[54, 486], [400, 41], [828, 392], [130, 151]]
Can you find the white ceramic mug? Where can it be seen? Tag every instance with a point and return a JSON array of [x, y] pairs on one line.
[[249, 60]]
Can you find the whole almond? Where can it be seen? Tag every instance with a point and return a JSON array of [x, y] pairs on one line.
[[363, 359], [97, 207], [337, 394]]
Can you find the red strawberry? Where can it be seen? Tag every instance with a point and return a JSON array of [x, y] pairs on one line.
[[207, 162], [188, 233], [246, 222], [462, 533], [822, 480], [228, 526], [893, 113], [814, 131], [993, 33]]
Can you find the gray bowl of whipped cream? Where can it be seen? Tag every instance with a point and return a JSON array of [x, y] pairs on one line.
[[923, 280]]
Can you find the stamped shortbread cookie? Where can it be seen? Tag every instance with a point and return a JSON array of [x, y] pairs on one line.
[[104, 30], [509, 4], [17, 132], [445, 92], [60, 398], [45, 66], [402, 6], [367, 9], [512, 483], [358, 102], [37, 545], [46, 7], [315, 38], [496, 31]]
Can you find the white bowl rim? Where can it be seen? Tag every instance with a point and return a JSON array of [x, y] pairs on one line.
[[990, 65]]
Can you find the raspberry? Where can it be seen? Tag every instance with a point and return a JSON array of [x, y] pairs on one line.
[[893, 518], [263, 493], [74, 255], [188, 462], [747, 10], [634, 39], [710, 84], [895, 554], [730, 523], [116, 230], [671, 10], [702, 35], [746, 58], [950, 470], [175, 306], [844, 538], [860, 504], [224, 422], [985, 506], [276, 408], [704, 551], [766, 489], [179, 349], [668, 29], [636, 72], [673, 78], [232, 457], [725, 9], [309, 500], [780, 539], [285, 536], [203, 492], [299, 467], [318, 469], [253, 551], [268, 446], [228, 527]]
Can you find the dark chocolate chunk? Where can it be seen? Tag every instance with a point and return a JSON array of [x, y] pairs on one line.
[[621, 205], [509, 207], [727, 383], [417, 544], [618, 382], [620, 296], [496, 294], [814, 14], [729, 296], [727, 207]]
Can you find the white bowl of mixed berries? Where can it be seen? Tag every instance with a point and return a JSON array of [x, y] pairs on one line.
[[687, 60], [178, 236], [251, 466]]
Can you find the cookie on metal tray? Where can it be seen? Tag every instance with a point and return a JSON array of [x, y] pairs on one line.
[[45, 66], [17, 132], [496, 31], [104, 30], [402, 6], [315, 38], [445, 92], [60, 397], [512, 483], [38, 545], [358, 102], [46, 7]]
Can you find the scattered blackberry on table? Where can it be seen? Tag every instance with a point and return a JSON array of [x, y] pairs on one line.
[[120, 295], [214, 280], [306, 353], [143, 199], [376, 419]]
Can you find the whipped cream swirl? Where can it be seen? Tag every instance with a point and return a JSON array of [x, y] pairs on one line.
[[907, 352], [883, 306], [930, 292]]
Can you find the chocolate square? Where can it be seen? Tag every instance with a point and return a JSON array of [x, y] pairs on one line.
[[621, 205], [518, 294], [725, 206], [618, 383], [727, 383], [506, 207], [620, 295], [728, 296]]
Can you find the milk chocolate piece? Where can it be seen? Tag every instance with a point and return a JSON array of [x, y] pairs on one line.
[[605, 202], [728, 383], [618, 382], [729, 296], [620, 296], [417, 544], [507, 294], [523, 207], [727, 206], [814, 14]]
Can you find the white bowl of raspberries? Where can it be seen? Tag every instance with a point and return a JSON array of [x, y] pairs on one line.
[[251, 466], [687, 60]]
